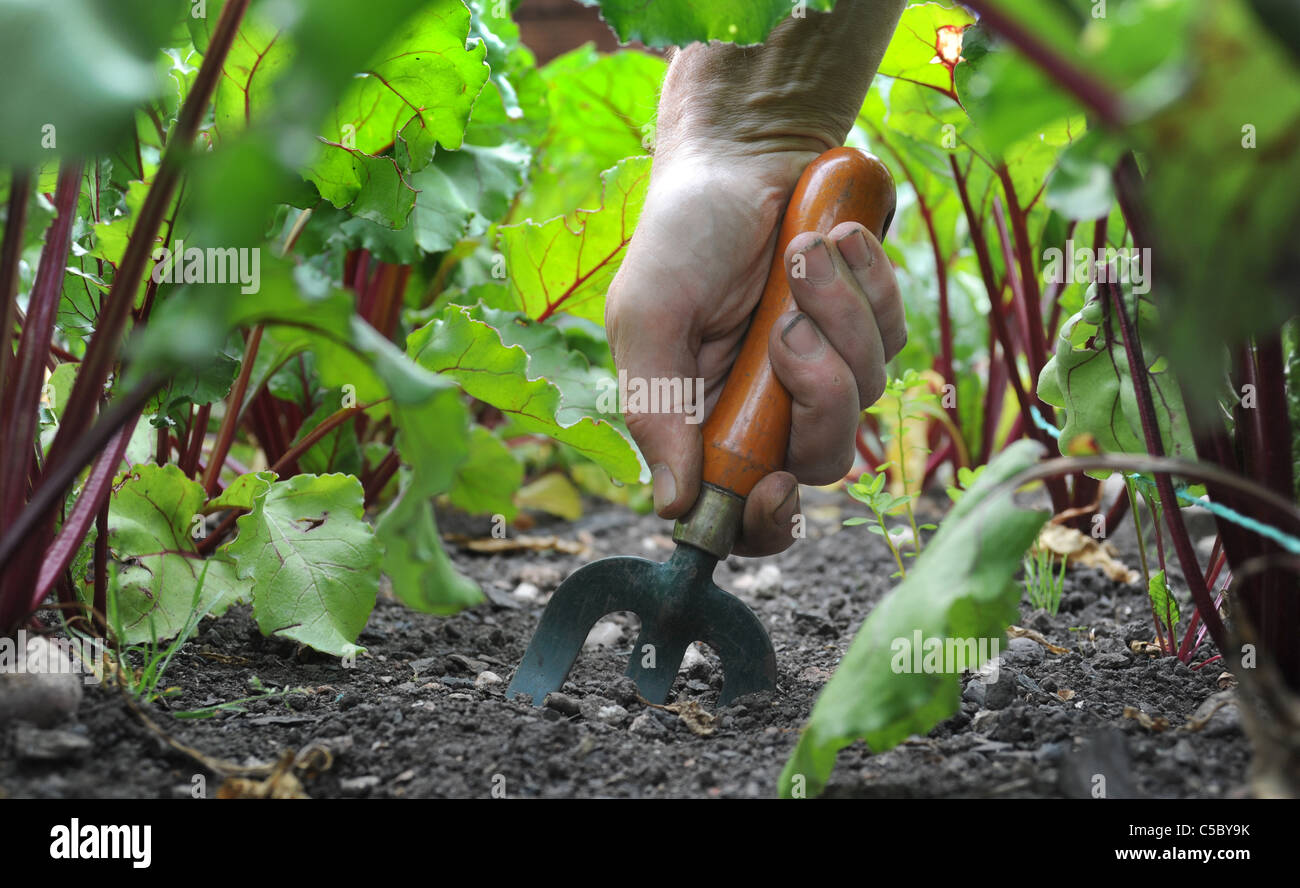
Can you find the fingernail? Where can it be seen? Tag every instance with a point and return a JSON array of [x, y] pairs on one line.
[[665, 486], [819, 268], [855, 249], [802, 337]]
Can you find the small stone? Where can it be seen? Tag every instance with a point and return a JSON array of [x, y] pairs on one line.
[[693, 661], [358, 786], [1040, 620], [34, 744], [561, 703], [1023, 652], [646, 725], [1048, 684], [763, 583], [604, 634], [974, 692], [1184, 754], [467, 664], [1112, 661], [486, 680], [46, 691], [814, 675], [526, 593], [591, 704], [613, 714], [1001, 693]]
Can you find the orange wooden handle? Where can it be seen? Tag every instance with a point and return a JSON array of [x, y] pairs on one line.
[[746, 435]]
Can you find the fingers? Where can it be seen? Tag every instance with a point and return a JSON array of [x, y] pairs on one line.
[[831, 354], [866, 259], [769, 523]]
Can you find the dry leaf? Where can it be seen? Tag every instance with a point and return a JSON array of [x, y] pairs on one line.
[[1079, 548], [581, 546], [1065, 694], [1035, 635], [697, 719], [1150, 648], [1159, 724], [1226, 680], [281, 783]]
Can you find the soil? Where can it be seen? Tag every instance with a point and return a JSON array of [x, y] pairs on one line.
[[416, 717]]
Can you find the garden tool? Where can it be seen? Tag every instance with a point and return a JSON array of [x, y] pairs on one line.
[[745, 438]]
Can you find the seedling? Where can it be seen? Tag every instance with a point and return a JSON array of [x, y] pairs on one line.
[[1043, 584]]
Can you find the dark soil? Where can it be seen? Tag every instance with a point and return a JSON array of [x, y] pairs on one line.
[[408, 719]]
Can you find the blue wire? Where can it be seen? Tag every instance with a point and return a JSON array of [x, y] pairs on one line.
[[1285, 540]]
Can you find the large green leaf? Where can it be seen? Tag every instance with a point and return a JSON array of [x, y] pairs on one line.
[[416, 94], [313, 561], [567, 265], [959, 588], [476, 355], [678, 22], [151, 517], [603, 110]]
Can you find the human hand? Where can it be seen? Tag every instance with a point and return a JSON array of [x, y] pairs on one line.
[[680, 307]]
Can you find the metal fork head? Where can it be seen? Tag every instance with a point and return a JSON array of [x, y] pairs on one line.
[[677, 603]]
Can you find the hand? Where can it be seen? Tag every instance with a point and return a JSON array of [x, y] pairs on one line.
[[680, 306]]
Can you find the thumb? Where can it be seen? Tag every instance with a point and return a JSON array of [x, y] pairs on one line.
[[661, 399]]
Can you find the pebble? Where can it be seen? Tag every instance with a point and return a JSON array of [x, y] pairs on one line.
[[35, 744], [1112, 661], [45, 696], [974, 692], [646, 725], [486, 680], [623, 691], [693, 661], [561, 703], [604, 634], [763, 583], [613, 714], [358, 786], [1023, 652], [1000, 694], [526, 593]]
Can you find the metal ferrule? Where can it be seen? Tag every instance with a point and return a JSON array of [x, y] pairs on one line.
[[713, 523]]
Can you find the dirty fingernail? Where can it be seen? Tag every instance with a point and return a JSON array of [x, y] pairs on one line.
[[818, 265], [665, 486], [855, 249], [802, 337]]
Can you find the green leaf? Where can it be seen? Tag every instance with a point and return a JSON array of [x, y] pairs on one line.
[[1163, 603], [416, 94], [242, 493], [475, 354], [567, 265], [855, 521], [959, 588], [151, 515], [313, 561], [927, 46], [679, 22], [487, 480], [553, 493], [603, 111], [423, 576], [1089, 377]]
